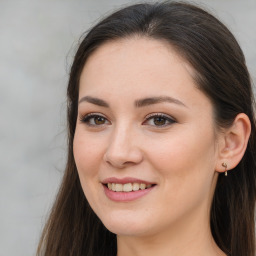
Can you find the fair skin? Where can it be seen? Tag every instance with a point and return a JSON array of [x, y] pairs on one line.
[[172, 143]]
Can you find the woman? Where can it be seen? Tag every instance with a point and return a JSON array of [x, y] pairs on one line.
[[162, 145]]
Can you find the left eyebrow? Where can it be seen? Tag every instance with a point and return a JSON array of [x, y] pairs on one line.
[[155, 100]]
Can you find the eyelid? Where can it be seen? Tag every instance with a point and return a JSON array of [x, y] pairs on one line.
[[161, 115], [169, 118], [83, 118]]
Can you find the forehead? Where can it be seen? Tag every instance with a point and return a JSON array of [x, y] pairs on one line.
[[137, 60], [135, 47]]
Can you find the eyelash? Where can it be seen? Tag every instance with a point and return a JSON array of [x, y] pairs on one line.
[[86, 119], [166, 118]]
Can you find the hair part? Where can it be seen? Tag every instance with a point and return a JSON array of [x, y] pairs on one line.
[[221, 73]]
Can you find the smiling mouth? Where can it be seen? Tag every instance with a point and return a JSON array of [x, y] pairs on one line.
[[128, 187]]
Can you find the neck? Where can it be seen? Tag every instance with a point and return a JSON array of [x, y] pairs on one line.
[[187, 238]]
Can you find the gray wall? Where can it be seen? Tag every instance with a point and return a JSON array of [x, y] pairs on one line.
[[37, 42]]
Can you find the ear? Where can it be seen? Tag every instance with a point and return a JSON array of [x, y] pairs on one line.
[[232, 143]]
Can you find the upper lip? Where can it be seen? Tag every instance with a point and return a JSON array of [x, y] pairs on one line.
[[125, 180]]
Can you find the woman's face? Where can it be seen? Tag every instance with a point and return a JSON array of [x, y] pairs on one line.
[[145, 130]]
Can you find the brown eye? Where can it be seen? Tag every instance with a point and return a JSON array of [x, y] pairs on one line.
[[94, 120], [159, 120], [98, 120]]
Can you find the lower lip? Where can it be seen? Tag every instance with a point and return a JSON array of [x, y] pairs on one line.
[[126, 196]]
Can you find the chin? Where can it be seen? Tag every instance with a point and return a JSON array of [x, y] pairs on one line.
[[125, 230], [127, 226]]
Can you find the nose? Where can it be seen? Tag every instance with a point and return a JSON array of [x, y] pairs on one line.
[[123, 148]]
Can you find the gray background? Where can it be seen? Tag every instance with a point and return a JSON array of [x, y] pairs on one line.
[[37, 42]]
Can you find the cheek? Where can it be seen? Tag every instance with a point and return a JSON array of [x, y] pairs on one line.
[[180, 150], [186, 167], [88, 157], [87, 153], [185, 163]]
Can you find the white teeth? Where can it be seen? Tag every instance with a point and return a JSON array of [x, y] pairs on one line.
[[142, 186], [136, 186], [128, 187], [119, 187]]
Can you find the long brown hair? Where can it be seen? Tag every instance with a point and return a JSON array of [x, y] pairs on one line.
[[221, 73]]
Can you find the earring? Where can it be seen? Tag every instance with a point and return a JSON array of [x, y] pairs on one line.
[[225, 166]]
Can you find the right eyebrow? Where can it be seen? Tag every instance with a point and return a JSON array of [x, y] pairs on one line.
[[94, 101]]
